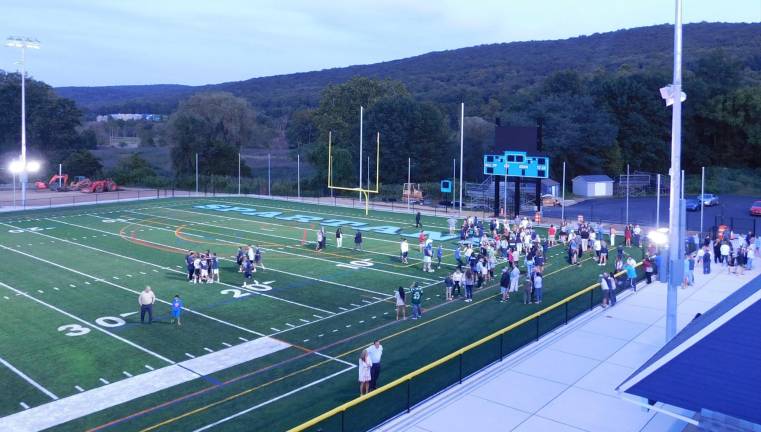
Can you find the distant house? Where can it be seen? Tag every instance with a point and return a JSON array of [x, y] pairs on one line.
[[593, 186]]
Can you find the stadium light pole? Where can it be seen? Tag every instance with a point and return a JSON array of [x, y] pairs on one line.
[[562, 204], [409, 182], [196, 173], [657, 201], [454, 177], [298, 175], [238, 173], [361, 119], [702, 192], [462, 142], [269, 174], [627, 194], [673, 94], [23, 44]]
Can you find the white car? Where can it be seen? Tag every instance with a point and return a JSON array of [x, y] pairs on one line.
[[709, 199]]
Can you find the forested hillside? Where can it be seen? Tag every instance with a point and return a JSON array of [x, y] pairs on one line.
[[476, 75]]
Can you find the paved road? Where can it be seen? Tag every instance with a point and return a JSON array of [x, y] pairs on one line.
[[733, 209]]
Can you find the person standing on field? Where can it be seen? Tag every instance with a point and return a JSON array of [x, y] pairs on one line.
[[364, 373], [176, 309], [504, 285], [401, 307], [358, 240], [339, 237], [146, 299], [417, 300], [374, 353], [417, 220], [404, 248]]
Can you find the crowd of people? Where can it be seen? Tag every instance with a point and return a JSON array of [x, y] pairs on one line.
[[202, 267]]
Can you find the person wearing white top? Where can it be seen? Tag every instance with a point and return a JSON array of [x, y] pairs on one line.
[[146, 299], [400, 304], [405, 249], [374, 353], [457, 279], [724, 250], [364, 372], [604, 287]]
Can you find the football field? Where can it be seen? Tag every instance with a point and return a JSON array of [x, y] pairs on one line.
[[74, 355]]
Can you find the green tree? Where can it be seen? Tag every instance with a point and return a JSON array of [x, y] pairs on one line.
[[215, 126], [133, 170], [82, 163]]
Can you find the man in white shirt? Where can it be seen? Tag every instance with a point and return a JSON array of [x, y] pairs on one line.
[[374, 353], [405, 249], [146, 299]]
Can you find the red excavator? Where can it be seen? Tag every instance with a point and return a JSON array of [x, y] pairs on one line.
[[98, 186], [59, 183]]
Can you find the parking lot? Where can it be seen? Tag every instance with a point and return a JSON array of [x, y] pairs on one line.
[[733, 210]]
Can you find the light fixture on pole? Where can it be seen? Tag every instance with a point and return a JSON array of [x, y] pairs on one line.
[[23, 44]]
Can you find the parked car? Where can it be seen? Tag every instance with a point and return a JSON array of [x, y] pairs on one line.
[[692, 204], [709, 199], [755, 208]]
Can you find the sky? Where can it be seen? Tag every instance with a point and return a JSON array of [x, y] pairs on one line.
[[105, 42]]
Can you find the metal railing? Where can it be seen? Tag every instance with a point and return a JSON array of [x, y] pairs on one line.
[[405, 392]]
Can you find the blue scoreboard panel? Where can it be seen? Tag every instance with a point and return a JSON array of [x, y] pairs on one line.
[[517, 164]]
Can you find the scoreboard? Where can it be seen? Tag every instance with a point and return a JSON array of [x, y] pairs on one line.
[[517, 164]]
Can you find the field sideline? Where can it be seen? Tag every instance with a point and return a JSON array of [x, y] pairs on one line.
[[74, 356]]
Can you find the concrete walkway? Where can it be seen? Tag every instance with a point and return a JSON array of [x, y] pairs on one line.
[[567, 380]]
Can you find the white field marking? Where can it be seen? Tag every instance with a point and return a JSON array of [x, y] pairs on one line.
[[317, 316], [23, 405], [275, 399], [342, 308], [376, 298], [72, 285], [89, 324], [348, 325], [222, 258], [332, 358], [334, 330], [103, 397], [56, 288], [104, 381], [129, 275], [127, 374], [79, 389], [26, 378], [41, 291], [333, 214], [190, 355], [116, 277], [6, 297], [305, 340], [143, 273], [126, 314], [279, 236], [320, 335], [366, 301], [97, 279], [290, 325], [273, 250], [182, 272], [87, 283], [226, 344], [208, 349], [274, 329], [355, 305], [243, 339], [303, 320], [149, 367], [373, 317], [361, 321]]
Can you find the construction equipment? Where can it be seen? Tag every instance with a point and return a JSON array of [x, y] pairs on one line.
[[412, 193], [57, 183], [98, 186]]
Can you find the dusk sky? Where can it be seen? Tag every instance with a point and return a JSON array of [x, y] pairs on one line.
[[106, 42]]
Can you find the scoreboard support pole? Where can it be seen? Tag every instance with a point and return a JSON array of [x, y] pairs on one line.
[[517, 196]]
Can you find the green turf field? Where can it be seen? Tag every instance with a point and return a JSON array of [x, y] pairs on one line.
[[267, 357]]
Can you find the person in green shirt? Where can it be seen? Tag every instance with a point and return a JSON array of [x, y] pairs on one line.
[[417, 299]]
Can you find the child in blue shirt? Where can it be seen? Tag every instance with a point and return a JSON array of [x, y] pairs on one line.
[[176, 309]]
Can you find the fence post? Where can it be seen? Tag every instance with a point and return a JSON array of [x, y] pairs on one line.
[[566, 313], [501, 340], [460, 357], [408, 396]]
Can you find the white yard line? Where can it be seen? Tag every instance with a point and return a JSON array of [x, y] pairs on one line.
[[269, 268], [164, 268], [285, 226], [275, 399], [273, 250], [89, 324], [97, 279], [183, 272], [26, 378], [100, 398]]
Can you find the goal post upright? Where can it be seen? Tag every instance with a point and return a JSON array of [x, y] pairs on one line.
[[363, 191]]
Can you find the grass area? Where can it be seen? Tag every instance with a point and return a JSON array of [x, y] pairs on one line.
[[68, 297]]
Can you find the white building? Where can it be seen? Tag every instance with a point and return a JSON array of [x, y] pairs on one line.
[[593, 186]]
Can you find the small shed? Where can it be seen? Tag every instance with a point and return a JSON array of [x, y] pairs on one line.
[[593, 186]]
